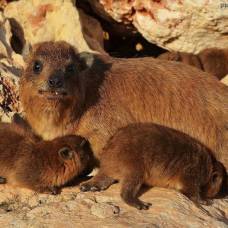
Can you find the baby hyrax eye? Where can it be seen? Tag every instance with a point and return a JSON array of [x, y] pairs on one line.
[[70, 68], [65, 153], [37, 67]]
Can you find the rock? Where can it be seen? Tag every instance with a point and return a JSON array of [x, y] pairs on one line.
[[11, 65], [9, 94], [185, 26], [56, 20], [105, 210], [24, 208]]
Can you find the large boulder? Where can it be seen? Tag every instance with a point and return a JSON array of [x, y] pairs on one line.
[[185, 26], [56, 20]]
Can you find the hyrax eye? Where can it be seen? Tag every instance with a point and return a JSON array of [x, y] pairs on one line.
[[70, 68], [37, 67], [215, 177], [65, 153]]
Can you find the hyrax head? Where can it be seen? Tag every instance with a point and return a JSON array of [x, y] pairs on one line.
[[218, 182], [66, 157], [53, 70]]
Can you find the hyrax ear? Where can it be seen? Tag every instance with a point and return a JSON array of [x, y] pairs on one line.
[[27, 50], [86, 60], [65, 153]]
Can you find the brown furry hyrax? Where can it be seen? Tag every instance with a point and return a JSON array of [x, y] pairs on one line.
[[211, 60], [157, 156], [43, 166], [93, 95]]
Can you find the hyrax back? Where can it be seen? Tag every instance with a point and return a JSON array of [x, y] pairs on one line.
[[43, 166], [157, 156]]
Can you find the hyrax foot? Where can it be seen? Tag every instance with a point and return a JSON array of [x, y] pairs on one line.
[[140, 205], [130, 189], [54, 190], [98, 183], [49, 190], [206, 202]]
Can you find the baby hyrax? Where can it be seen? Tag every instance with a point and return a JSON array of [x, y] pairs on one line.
[[43, 166], [157, 156]]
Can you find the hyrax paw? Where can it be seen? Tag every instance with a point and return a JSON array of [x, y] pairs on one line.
[[140, 205], [89, 187], [50, 190], [206, 202], [143, 206], [55, 190]]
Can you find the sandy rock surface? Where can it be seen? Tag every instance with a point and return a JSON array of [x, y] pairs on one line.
[[44, 20], [185, 26], [24, 208]]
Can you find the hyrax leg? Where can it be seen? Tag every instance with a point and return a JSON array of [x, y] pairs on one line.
[[192, 189], [99, 182], [130, 188]]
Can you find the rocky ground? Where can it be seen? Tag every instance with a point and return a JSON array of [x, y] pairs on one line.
[[24, 208], [99, 32]]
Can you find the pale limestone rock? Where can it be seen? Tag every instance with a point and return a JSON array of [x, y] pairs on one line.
[[24, 208], [105, 210], [45, 20], [185, 26]]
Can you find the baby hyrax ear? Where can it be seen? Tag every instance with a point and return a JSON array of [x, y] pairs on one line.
[[86, 60], [65, 153]]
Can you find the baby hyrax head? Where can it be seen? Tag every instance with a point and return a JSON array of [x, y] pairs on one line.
[[66, 157], [52, 72], [218, 182]]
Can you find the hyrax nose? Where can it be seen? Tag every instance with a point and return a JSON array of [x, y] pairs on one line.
[[55, 81]]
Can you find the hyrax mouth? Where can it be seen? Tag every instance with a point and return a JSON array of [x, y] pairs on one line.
[[53, 94]]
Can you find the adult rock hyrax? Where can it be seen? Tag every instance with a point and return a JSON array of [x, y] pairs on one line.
[[93, 95], [157, 156], [43, 166]]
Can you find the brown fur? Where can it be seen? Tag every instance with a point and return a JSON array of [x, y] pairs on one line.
[[113, 93], [29, 162], [157, 156], [211, 60]]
